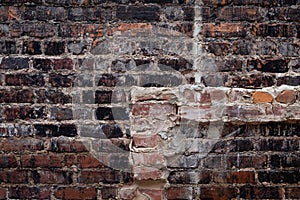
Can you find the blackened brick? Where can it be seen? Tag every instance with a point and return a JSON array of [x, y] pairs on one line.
[[252, 81], [53, 64], [274, 30], [102, 97], [81, 30], [8, 47], [24, 80], [14, 63], [279, 176], [58, 80], [52, 97], [28, 193], [54, 48], [16, 96], [179, 64], [112, 130], [32, 48], [40, 30], [275, 65], [15, 113], [61, 114], [149, 13], [260, 192], [117, 113]]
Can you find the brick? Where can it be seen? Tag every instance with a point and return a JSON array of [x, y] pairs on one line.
[[179, 192], [216, 2], [32, 48], [234, 177], [14, 63], [288, 14], [240, 14], [288, 80], [80, 30], [8, 47], [241, 145], [116, 113], [60, 114], [262, 97], [145, 141], [102, 97], [242, 47], [16, 96], [265, 192], [52, 97], [229, 65], [45, 13], [258, 162], [277, 145], [26, 192], [279, 177], [286, 97], [273, 30], [275, 65], [44, 130], [224, 30], [3, 192], [107, 176], [251, 81], [75, 193], [58, 80], [112, 130], [18, 145], [256, 2], [77, 47], [149, 13], [8, 161], [54, 48], [51, 177], [32, 29], [284, 161], [218, 48], [217, 193], [14, 176], [14, 113], [61, 145], [89, 161], [292, 192], [176, 177], [24, 80], [178, 64], [41, 160]]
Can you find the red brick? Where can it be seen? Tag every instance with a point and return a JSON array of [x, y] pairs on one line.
[[179, 193], [273, 30], [147, 173], [21, 145], [25, 192], [235, 177], [262, 97], [51, 177], [41, 160], [240, 14], [286, 97], [8, 161], [124, 27], [224, 30], [76, 193], [140, 109], [145, 141], [105, 176], [261, 192], [292, 192], [3, 193], [14, 176], [88, 161], [218, 193], [154, 194]]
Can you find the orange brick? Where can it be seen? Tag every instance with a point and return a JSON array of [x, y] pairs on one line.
[[262, 97]]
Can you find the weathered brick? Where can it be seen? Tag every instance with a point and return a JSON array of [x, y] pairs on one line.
[[16, 96], [51, 177], [224, 30], [40, 30], [8, 47], [77, 47], [292, 192], [217, 192], [44, 13], [179, 192], [54, 48], [32, 48], [41, 160], [8, 161], [255, 161], [48, 130], [219, 49], [234, 177], [273, 30], [24, 112], [88, 161], [25, 144], [251, 81], [3, 192], [52, 97], [265, 192], [286, 96], [14, 63], [288, 80], [67, 145], [262, 97], [105, 176], [24, 80], [81, 30], [61, 114], [14, 176], [239, 14], [75, 193], [275, 65], [58, 80], [116, 113], [279, 177], [130, 12], [26, 192]]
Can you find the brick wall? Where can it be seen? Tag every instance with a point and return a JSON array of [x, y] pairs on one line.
[[149, 99]]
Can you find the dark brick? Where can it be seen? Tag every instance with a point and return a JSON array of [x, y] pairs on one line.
[[81, 30], [102, 97], [178, 64], [252, 81], [292, 192], [183, 192], [116, 113], [106, 176], [260, 192], [275, 66], [16, 96], [107, 80], [14, 63], [218, 48], [258, 162], [75, 193], [279, 177], [241, 145], [239, 14], [25, 113], [24, 80], [60, 114], [54, 48], [46, 13], [32, 29], [14, 176], [53, 97], [51, 177], [288, 80], [130, 12], [25, 144], [218, 192], [277, 145], [224, 30], [77, 47], [256, 2], [285, 161], [273, 30], [8, 47], [47, 130], [65, 145], [32, 48], [112, 130], [186, 177], [58, 80], [229, 65], [242, 47], [8, 161], [25, 192]]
